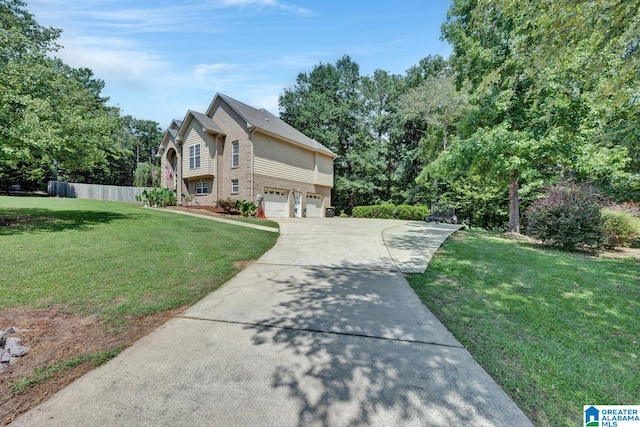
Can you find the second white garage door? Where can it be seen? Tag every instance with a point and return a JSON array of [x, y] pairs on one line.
[[276, 203], [314, 206]]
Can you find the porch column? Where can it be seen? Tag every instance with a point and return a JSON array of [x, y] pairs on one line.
[[179, 182]]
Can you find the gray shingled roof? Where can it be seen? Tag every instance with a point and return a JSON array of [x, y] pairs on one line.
[[206, 122], [265, 121]]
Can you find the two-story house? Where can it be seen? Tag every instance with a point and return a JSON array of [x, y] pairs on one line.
[[239, 152]]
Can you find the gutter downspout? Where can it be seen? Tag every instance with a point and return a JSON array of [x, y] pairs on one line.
[[252, 130], [179, 182], [213, 147]]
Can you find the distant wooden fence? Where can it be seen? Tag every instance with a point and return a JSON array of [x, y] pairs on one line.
[[113, 193]]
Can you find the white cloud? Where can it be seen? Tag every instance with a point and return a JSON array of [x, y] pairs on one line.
[[202, 70], [248, 2], [267, 3], [111, 59]]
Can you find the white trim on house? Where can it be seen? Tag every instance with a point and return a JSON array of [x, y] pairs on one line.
[[235, 154], [194, 156]]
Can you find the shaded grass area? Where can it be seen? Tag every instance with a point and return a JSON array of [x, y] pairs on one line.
[[115, 260], [556, 330], [40, 375]]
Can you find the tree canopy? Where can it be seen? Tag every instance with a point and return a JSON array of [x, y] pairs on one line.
[[543, 111], [534, 92], [53, 116], [360, 118]]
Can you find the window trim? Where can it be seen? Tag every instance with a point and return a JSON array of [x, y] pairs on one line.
[[235, 186], [201, 184], [194, 156], [235, 154]]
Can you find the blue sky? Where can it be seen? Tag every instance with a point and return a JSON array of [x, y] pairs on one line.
[[161, 58]]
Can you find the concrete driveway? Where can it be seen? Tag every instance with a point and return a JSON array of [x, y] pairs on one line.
[[322, 330]]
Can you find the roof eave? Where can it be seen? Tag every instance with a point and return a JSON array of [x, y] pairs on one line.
[[190, 115]]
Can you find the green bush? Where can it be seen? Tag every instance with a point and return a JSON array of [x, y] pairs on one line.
[[412, 213], [227, 204], [362, 212], [158, 197], [477, 203], [621, 227], [390, 211], [384, 211], [568, 217], [246, 208]]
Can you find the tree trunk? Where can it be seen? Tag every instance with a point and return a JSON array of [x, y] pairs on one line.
[[514, 203]]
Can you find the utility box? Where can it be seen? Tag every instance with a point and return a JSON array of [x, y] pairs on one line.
[[330, 211]]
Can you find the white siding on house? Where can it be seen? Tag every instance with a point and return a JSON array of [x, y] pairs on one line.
[[281, 160], [324, 175], [196, 135]]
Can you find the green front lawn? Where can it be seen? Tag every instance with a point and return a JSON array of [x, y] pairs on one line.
[[556, 330], [115, 260]]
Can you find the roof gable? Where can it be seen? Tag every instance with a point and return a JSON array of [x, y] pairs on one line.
[[207, 124], [169, 136], [266, 122]]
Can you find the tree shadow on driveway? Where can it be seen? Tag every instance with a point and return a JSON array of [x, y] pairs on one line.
[[412, 245], [358, 348]]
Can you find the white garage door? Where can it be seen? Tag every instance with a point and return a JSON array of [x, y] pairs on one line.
[[276, 203], [314, 206]]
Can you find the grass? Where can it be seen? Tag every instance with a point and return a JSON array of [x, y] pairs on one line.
[[41, 375], [556, 330], [115, 260], [256, 221]]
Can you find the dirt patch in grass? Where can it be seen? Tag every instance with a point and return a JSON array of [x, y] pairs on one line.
[[243, 264], [622, 253], [53, 336], [205, 210]]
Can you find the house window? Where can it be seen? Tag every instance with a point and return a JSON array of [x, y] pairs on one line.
[[194, 156], [235, 186], [235, 154], [202, 187]]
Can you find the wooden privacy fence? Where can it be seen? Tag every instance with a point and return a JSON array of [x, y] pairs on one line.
[[113, 193]]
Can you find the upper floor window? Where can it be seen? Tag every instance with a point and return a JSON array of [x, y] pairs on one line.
[[235, 154], [194, 156], [235, 186]]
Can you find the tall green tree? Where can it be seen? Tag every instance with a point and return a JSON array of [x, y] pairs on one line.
[[381, 93], [327, 104], [147, 136], [441, 107], [532, 121], [48, 111], [420, 133]]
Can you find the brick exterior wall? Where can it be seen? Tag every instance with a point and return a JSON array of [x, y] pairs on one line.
[[310, 177], [262, 182], [236, 130]]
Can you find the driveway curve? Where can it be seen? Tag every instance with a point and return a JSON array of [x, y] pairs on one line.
[[322, 330]]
